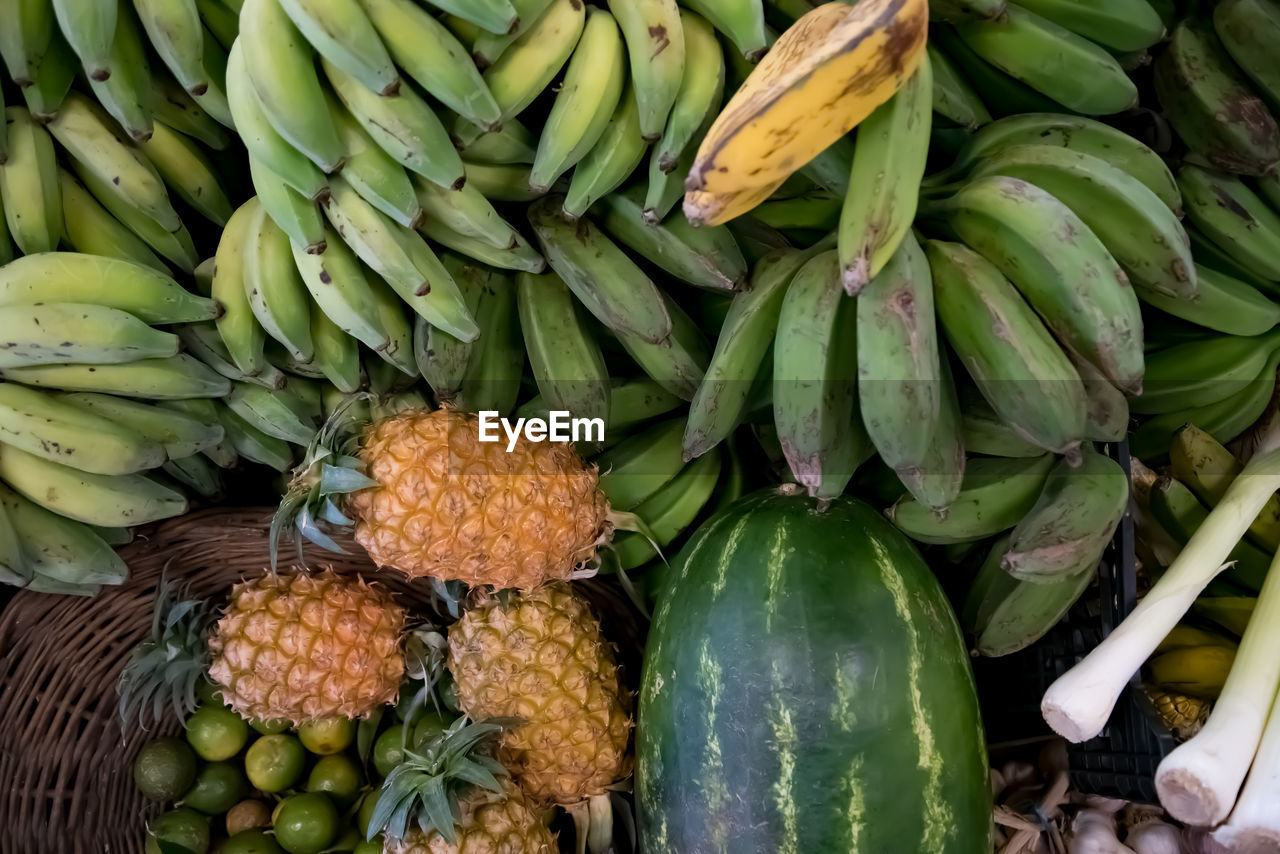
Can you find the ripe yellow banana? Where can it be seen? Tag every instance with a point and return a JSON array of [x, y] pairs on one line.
[[785, 114]]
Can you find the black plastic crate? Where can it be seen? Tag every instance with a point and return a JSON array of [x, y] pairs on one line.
[[1121, 762]]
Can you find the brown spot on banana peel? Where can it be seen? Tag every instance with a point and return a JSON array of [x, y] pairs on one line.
[[660, 39], [1231, 205]]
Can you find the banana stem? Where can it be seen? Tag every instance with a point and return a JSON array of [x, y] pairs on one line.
[[1198, 781], [1078, 704]]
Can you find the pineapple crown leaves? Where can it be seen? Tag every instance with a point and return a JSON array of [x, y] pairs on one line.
[[167, 667], [427, 787]]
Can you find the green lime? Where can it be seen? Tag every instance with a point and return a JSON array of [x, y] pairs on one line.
[[430, 726], [164, 769], [327, 735], [216, 733], [275, 762], [248, 814], [306, 824], [250, 842], [370, 846], [367, 806], [269, 727], [408, 692], [347, 841], [181, 827], [337, 776], [217, 788], [388, 750]]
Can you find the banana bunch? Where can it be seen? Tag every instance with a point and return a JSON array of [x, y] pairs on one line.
[[1007, 58], [104, 422], [47, 44], [1218, 83]]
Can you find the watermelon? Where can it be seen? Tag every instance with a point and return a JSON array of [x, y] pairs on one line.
[[807, 690]]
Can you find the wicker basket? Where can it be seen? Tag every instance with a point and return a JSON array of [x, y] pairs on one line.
[[65, 765]]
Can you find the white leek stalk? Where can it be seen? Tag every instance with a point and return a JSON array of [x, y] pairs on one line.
[[1254, 825], [1079, 702], [1199, 780]]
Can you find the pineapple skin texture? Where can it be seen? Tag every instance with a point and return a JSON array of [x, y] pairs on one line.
[[489, 824], [305, 646], [452, 507], [541, 658]]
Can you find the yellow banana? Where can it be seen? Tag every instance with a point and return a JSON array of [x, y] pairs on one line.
[[823, 76]]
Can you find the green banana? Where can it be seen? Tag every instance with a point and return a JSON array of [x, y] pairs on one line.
[[607, 282], [1107, 413], [486, 47], [274, 289], [73, 277], [495, 16], [1206, 99], [237, 325], [1249, 29], [636, 468], [276, 412], [59, 551], [898, 364], [706, 257], [157, 379], [89, 28], [197, 474], [985, 432], [566, 361], [655, 44], [125, 88], [1209, 254], [997, 492], [282, 70], [815, 211], [29, 25], [952, 10], [1226, 210], [1202, 372], [48, 426], [1118, 25], [584, 104], [205, 410], [520, 256], [466, 211], [1072, 521], [405, 127], [742, 21], [1007, 615], [88, 228], [339, 288], [670, 511], [188, 172], [1223, 303], [1180, 513], [252, 444], [343, 35], [178, 434], [496, 367], [441, 358], [259, 135], [501, 182], [633, 402], [175, 246], [13, 566], [294, 213], [938, 479], [700, 96], [96, 499], [512, 143], [1077, 133], [337, 354], [721, 400], [54, 75], [1066, 67], [173, 106], [214, 99], [888, 163], [29, 185], [426, 51], [1062, 268], [953, 97], [1017, 366], [830, 169], [203, 341], [1224, 420], [677, 363], [222, 20], [1207, 468], [1141, 233], [60, 333], [177, 35], [815, 380], [610, 162]]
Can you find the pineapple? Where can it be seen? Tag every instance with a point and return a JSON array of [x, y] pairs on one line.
[[439, 502], [490, 823], [307, 646], [539, 657]]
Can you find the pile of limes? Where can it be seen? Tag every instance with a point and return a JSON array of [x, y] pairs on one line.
[[263, 788]]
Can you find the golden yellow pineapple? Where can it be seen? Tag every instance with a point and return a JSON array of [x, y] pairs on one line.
[[304, 646], [539, 657], [490, 823]]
